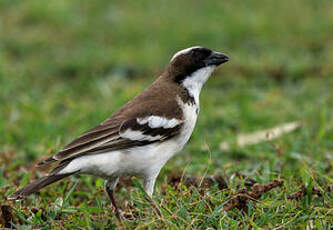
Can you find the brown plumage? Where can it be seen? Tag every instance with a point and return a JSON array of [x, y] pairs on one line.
[[41, 182], [36, 186], [142, 135], [105, 136]]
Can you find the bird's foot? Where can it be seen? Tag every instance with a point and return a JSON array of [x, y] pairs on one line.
[[154, 206], [123, 218]]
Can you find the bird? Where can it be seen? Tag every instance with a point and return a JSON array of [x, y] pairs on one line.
[[143, 134]]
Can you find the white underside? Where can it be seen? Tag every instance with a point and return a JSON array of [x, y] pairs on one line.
[[147, 160]]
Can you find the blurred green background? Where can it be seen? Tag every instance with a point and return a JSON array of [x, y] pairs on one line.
[[67, 65]]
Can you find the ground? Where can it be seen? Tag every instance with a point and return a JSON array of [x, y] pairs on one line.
[[67, 65]]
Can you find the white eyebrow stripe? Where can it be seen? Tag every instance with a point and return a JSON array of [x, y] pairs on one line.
[[155, 122], [183, 52]]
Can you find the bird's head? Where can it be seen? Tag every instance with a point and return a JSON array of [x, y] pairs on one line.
[[194, 62]]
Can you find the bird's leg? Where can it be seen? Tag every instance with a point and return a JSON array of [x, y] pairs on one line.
[[149, 183], [113, 201], [110, 185]]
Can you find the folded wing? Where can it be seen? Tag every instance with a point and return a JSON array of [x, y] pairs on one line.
[[119, 134]]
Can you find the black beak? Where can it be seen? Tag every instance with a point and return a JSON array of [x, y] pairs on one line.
[[216, 58]]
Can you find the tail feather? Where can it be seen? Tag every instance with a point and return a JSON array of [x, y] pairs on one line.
[[37, 185]]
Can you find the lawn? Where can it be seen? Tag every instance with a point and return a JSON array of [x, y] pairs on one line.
[[67, 65]]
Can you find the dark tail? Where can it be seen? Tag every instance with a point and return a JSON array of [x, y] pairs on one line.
[[37, 185]]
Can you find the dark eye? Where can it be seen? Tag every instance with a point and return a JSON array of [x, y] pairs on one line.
[[194, 52]]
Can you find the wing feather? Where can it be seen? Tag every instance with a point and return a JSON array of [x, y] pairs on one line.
[[140, 122], [127, 134]]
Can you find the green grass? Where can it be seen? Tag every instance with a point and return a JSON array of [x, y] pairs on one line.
[[67, 65]]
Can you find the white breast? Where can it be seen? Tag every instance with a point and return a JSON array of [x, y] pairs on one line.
[[145, 159], [190, 116]]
